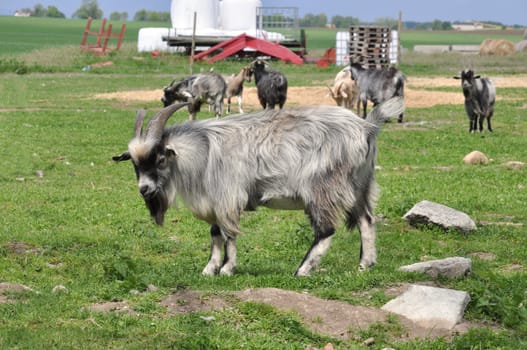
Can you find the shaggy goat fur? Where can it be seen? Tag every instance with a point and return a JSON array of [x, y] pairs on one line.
[[318, 159]]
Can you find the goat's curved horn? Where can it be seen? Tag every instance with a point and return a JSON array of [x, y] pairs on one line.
[[140, 117], [158, 121], [251, 64]]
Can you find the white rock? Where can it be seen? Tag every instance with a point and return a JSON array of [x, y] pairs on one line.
[[430, 307]]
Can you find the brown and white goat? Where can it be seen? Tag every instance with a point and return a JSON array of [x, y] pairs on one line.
[[235, 88], [320, 159], [344, 91]]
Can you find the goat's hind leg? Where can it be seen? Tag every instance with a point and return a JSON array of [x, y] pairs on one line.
[[324, 231], [366, 225]]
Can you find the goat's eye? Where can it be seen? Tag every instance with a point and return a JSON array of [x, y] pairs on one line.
[[162, 161]]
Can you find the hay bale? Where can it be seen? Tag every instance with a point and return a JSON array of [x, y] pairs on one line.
[[476, 157], [521, 46], [497, 47]]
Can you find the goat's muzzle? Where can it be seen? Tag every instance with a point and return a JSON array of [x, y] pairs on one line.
[[156, 202]]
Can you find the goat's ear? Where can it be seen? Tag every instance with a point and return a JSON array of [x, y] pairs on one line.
[[456, 77], [170, 151], [122, 156], [477, 77]]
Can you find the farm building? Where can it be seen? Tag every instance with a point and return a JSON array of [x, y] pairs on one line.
[[217, 21]]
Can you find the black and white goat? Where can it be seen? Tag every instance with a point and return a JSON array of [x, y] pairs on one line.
[[320, 159], [377, 85], [270, 85], [197, 89], [480, 96], [235, 88]]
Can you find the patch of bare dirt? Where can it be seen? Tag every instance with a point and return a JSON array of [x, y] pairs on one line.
[[7, 288], [297, 96], [416, 95], [118, 307], [329, 317]]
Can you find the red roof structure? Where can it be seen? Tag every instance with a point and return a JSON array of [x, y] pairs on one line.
[[239, 43]]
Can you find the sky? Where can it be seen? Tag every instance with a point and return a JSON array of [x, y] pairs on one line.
[[508, 12]]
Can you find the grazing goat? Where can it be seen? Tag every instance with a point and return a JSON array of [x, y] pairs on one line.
[[480, 96], [345, 91], [377, 85], [320, 159], [271, 85], [235, 88], [196, 89]]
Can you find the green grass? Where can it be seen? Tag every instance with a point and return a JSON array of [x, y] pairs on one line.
[[83, 225]]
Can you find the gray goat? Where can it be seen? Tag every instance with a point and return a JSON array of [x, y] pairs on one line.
[[270, 85], [320, 159], [377, 85], [480, 96], [196, 89]]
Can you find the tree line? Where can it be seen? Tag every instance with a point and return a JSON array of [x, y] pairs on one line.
[[90, 8]]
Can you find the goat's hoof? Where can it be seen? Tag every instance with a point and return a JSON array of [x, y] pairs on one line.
[[226, 271], [302, 273], [209, 270]]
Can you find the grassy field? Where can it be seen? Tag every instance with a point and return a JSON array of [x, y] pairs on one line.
[[73, 218]]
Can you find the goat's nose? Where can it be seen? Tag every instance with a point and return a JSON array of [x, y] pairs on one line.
[[144, 190]]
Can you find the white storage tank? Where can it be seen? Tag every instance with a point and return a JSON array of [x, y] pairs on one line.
[[182, 14], [239, 14]]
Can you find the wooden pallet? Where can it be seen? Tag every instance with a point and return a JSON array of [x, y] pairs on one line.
[[370, 46]]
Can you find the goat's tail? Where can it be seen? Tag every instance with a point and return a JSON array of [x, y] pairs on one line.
[[391, 108]]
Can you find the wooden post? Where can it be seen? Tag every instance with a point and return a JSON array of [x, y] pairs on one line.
[[193, 45], [399, 27]]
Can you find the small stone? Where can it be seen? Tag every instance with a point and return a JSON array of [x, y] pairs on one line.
[[476, 157], [59, 288]]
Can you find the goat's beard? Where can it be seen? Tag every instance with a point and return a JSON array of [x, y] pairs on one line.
[[158, 205]]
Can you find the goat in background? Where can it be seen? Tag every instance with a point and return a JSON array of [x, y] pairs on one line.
[[197, 89], [344, 91], [480, 96], [270, 85], [377, 85], [235, 88]]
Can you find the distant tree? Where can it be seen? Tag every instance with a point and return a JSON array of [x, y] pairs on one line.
[[54, 12], [51, 11], [344, 21], [89, 8], [119, 16], [440, 25], [311, 20], [386, 22], [152, 16], [141, 15], [39, 11]]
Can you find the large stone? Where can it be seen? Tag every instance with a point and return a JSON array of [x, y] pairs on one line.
[[430, 307], [476, 157], [450, 267], [426, 212]]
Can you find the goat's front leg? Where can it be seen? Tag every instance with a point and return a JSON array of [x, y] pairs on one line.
[[368, 253], [229, 260], [216, 246], [481, 118]]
